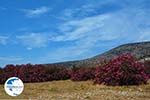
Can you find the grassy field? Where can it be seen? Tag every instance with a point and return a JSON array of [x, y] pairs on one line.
[[68, 90]]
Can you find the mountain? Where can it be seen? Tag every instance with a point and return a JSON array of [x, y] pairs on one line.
[[140, 50]]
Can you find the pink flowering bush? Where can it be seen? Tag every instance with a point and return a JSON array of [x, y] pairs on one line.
[[82, 74], [57, 73], [33, 73], [8, 71], [123, 70]]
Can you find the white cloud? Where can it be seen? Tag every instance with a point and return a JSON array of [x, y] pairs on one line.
[[104, 27], [4, 40], [78, 12], [34, 40], [36, 11], [74, 30]]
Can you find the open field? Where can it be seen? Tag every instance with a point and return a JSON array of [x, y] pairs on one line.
[[68, 90]]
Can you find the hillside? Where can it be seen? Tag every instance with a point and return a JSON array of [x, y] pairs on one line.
[[141, 50]]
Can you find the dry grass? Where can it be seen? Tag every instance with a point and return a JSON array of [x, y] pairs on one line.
[[68, 90]]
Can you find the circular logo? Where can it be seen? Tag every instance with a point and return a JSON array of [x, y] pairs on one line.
[[14, 86]]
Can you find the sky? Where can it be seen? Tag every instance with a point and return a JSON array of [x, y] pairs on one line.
[[49, 31]]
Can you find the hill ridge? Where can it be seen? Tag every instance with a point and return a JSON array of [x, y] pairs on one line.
[[140, 50]]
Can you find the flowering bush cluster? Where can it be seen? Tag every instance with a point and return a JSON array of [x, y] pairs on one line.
[[33, 73], [57, 73], [123, 70], [8, 71], [82, 74]]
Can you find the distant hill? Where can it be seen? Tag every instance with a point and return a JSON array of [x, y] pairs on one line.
[[140, 50]]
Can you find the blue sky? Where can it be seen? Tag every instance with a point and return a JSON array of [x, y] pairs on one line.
[[47, 31]]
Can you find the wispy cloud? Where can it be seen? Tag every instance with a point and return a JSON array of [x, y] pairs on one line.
[[33, 40], [36, 12], [4, 40], [90, 8], [71, 13], [77, 29]]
